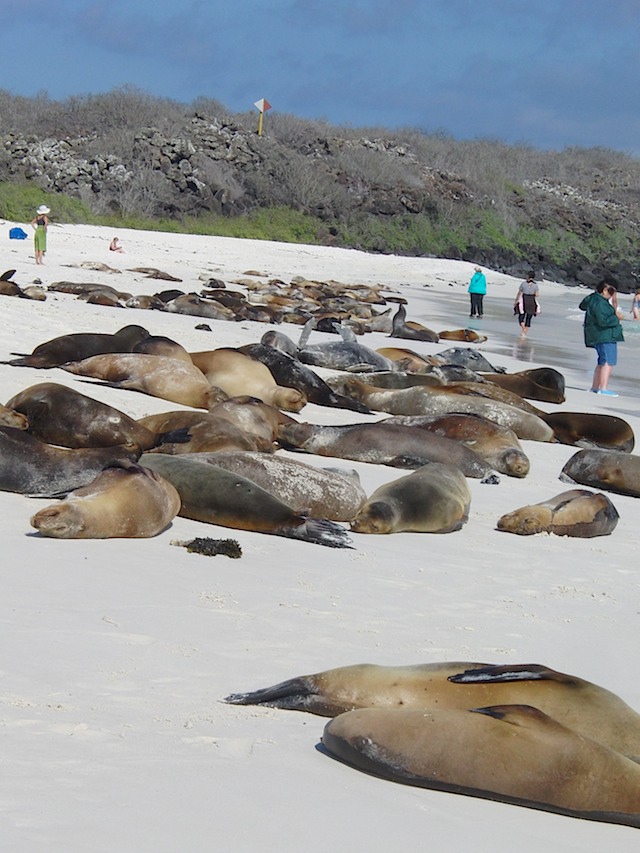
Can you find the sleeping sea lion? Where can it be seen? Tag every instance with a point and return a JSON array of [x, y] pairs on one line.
[[124, 501], [432, 499], [611, 470], [80, 345], [576, 513], [542, 383], [591, 429], [216, 496], [510, 753]]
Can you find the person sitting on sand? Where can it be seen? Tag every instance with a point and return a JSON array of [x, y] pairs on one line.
[[114, 247]]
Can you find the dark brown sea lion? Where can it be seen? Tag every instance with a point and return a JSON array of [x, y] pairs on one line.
[[591, 429], [216, 496], [77, 346], [510, 753], [542, 383], [581, 705], [168, 378], [329, 493], [238, 375], [611, 470], [576, 513], [429, 401], [161, 345], [124, 501], [497, 445], [403, 328], [432, 499], [385, 444], [63, 416], [31, 467]]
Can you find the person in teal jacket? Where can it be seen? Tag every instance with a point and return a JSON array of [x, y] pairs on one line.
[[602, 331], [477, 291]]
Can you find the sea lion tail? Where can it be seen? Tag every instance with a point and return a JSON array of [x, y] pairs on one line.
[[320, 531], [340, 401], [290, 695]]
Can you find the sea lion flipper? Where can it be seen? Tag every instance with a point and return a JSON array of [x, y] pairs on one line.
[[500, 674], [295, 694], [320, 531]]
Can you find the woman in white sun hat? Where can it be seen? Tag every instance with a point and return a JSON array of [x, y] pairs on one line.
[[39, 223]]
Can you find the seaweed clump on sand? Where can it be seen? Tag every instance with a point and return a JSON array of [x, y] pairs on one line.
[[211, 547]]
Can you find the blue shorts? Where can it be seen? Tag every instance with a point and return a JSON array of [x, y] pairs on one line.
[[607, 353]]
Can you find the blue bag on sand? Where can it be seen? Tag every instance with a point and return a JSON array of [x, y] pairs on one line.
[[17, 234]]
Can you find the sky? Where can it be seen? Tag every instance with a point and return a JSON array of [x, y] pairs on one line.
[[546, 73]]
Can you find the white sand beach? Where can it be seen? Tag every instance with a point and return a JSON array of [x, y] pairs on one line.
[[117, 654]]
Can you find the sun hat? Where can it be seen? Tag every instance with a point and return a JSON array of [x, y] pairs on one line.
[[43, 209]]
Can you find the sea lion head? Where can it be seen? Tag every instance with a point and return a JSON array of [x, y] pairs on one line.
[[289, 399], [61, 521], [375, 517]]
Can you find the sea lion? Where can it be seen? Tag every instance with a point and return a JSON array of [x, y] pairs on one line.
[[429, 401], [292, 373], [194, 305], [346, 354], [201, 432], [153, 272], [497, 445], [80, 345], [467, 335], [403, 328], [124, 501], [329, 493], [161, 345], [385, 444], [591, 429], [542, 383], [432, 499], [216, 496], [168, 378], [253, 416], [611, 470], [11, 418], [576, 513], [581, 705], [408, 359], [31, 467], [60, 415], [238, 375], [466, 357], [510, 753], [279, 341]]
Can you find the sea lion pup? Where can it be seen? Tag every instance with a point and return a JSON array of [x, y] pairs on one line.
[[497, 445], [432, 499], [585, 707], [201, 432], [32, 467], [11, 418], [216, 496], [383, 443], [65, 417], [510, 753], [611, 470], [161, 345], [330, 493], [468, 335], [346, 354], [80, 345], [429, 401], [591, 429], [253, 416], [576, 513], [292, 373], [543, 383], [238, 375], [403, 328], [168, 378], [124, 501]]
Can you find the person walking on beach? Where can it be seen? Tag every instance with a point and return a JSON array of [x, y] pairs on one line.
[[602, 331], [39, 223], [477, 291], [526, 305]]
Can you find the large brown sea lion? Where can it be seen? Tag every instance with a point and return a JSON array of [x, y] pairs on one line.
[[467, 335], [124, 501], [432, 499], [576, 513], [542, 383], [31, 467], [385, 444], [510, 753], [591, 429], [63, 416], [497, 445], [581, 705], [168, 378], [217, 496], [428, 401], [80, 345], [238, 374], [611, 470], [329, 493]]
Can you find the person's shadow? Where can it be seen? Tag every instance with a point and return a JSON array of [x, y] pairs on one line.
[[523, 350]]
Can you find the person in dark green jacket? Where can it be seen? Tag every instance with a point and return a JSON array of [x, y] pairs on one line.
[[602, 331]]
